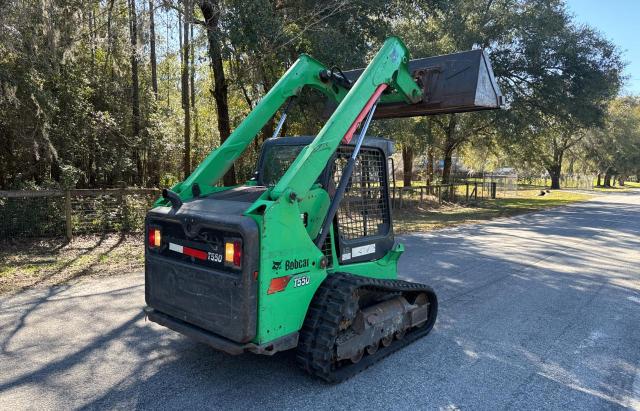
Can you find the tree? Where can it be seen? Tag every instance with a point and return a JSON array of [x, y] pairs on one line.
[[614, 150], [559, 78], [454, 130], [211, 11], [135, 86], [152, 49], [186, 101], [412, 135], [451, 27], [78, 98]]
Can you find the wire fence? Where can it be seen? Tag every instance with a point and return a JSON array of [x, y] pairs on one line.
[[461, 192], [570, 181], [56, 213], [578, 181], [59, 213]]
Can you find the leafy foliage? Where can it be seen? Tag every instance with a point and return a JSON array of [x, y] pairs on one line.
[[66, 115]]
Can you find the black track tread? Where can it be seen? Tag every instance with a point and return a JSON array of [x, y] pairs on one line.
[[326, 311]]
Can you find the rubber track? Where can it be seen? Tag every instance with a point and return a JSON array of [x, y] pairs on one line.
[[327, 310]]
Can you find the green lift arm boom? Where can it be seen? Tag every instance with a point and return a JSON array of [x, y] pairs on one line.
[[388, 67]]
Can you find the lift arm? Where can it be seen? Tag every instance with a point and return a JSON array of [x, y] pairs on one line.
[[304, 72], [389, 67]]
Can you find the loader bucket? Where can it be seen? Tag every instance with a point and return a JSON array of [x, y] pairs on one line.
[[452, 83]]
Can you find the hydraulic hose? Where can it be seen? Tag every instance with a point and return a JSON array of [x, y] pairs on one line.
[[348, 170]]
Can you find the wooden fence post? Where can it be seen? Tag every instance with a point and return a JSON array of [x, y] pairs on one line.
[[67, 215], [124, 217]]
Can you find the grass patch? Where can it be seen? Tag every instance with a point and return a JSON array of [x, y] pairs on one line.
[[618, 189], [629, 185], [428, 216]]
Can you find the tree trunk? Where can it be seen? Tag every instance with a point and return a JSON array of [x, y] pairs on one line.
[[193, 84], [598, 184], [407, 165], [607, 177], [430, 160], [211, 13], [168, 87], [135, 88], [92, 34], [450, 145], [152, 49], [554, 173], [186, 106], [446, 167], [555, 168], [109, 38]]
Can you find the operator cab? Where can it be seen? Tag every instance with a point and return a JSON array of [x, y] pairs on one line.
[[362, 224]]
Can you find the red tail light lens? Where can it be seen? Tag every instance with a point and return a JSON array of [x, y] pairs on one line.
[[155, 238], [237, 253], [233, 253]]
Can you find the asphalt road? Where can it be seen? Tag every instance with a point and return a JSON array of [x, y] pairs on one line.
[[537, 311]]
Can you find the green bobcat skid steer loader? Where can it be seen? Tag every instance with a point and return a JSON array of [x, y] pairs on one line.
[[303, 256]]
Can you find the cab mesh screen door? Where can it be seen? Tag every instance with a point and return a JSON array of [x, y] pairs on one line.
[[364, 210]]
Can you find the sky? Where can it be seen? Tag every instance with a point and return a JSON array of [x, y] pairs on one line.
[[618, 21]]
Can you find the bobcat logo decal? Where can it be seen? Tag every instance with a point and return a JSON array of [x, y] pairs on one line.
[[276, 265]]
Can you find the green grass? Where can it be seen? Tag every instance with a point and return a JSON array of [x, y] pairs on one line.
[[628, 185], [416, 217]]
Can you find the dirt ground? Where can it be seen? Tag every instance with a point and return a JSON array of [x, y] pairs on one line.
[[30, 263], [46, 262]]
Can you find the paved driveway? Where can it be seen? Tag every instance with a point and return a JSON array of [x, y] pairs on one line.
[[537, 311]]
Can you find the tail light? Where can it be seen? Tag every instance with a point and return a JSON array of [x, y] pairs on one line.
[[155, 238], [233, 253]]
